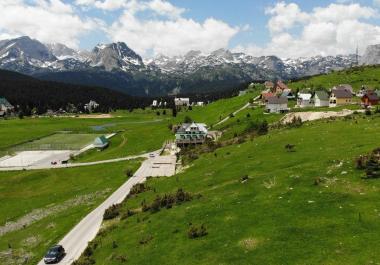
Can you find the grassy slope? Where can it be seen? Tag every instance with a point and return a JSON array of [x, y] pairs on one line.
[[22, 192], [211, 113], [368, 75], [292, 222]]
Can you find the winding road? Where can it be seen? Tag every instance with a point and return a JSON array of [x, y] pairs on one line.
[[77, 239]]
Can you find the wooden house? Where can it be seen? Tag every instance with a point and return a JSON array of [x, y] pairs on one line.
[[340, 97]]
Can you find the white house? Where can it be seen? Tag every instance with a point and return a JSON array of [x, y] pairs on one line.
[[276, 105], [91, 106], [304, 99], [5, 106], [200, 103], [191, 133], [321, 99], [182, 102], [155, 103]]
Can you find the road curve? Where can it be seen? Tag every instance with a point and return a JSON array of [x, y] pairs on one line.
[[77, 239]]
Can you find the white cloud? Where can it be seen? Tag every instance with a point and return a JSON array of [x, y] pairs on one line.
[[166, 31], [171, 37], [45, 20], [331, 30]]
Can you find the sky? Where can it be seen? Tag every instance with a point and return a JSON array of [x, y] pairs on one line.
[[288, 29]]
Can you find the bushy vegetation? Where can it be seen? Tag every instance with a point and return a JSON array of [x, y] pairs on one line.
[[370, 163]]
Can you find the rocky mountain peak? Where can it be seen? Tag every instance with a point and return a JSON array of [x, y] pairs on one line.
[[371, 55]]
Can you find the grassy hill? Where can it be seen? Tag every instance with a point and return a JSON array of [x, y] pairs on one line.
[[310, 206], [45, 204], [358, 76]]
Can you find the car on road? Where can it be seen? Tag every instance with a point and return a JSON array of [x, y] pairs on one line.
[[54, 255], [151, 155]]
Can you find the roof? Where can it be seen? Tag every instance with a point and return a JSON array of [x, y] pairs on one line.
[[342, 93], [287, 93], [277, 100], [372, 96], [185, 127], [100, 141], [5, 102], [304, 96], [344, 87], [322, 95], [281, 85], [267, 95]]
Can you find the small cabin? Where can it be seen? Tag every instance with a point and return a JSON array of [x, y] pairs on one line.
[[321, 99]]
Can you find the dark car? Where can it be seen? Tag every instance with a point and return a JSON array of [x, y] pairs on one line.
[[54, 255]]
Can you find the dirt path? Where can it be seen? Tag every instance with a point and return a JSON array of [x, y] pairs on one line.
[[316, 115]]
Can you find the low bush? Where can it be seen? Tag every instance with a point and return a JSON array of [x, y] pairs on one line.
[[112, 212], [196, 232]]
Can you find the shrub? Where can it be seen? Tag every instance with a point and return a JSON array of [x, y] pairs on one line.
[[84, 261], [195, 232], [368, 112], [231, 115], [164, 112], [158, 113], [263, 128], [127, 214], [248, 115], [129, 172], [112, 212], [146, 240], [138, 188], [114, 244]]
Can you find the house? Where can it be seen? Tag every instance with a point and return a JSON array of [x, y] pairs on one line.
[[5, 107], [91, 106], [182, 102], [340, 97], [344, 87], [269, 85], [154, 103], [279, 87], [287, 93], [200, 103], [101, 142], [191, 133], [265, 95], [370, 99], [304, 99], [321, 99], [276, 105]]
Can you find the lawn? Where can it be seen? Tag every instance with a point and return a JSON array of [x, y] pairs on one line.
[[281, 215], [58, 199], [59, 141]]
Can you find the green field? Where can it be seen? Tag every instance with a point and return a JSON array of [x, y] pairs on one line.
[[279, 216], [59, 141], [64, 195], [144, 131], [365, 75]]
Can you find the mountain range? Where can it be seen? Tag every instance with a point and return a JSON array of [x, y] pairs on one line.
[[118, 67]]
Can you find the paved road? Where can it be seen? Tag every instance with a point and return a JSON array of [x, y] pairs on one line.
[[49, 166], [77, 239]]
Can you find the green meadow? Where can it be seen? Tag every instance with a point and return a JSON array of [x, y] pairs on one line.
[[43, 205], [309, 206]]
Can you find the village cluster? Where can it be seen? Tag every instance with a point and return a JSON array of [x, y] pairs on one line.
[[277, 95]]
